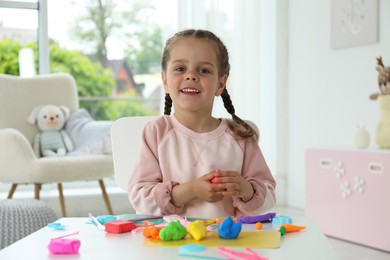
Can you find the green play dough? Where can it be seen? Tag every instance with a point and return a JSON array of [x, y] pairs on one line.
[[173, 231]]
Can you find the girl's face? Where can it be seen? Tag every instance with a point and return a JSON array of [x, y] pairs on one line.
[[191, 77]]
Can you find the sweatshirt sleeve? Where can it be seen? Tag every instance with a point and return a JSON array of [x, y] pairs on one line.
[[148, 193], [256, 171]]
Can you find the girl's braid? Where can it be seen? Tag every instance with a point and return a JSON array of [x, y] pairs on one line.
[[227, 102], [248, 131], [168, 104]]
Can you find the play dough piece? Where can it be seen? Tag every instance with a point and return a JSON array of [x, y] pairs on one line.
[[258, 225], [119, 226], [213, 180], [197, 230], [282, 220], [259, 218], [105, 219], [64, 246], [173, 231], [152, 232], [229, 229], [292, 228]]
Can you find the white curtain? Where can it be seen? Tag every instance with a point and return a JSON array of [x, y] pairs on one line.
[[237, 23], [255, 33]]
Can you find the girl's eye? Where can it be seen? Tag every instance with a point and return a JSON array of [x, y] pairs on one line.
[[203, 71], [179, 69]]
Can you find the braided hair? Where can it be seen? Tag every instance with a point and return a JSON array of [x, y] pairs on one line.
[[237, 125], [247, 131]]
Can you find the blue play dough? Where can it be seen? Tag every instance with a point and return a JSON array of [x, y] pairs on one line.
[[229, 229], [282, 220], [191, 248], [56, 226], [105, 219]]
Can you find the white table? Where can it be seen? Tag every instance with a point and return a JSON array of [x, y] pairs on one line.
[[309, 243]]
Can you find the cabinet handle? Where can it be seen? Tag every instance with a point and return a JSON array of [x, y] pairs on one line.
[[376, 168], [326, 163]]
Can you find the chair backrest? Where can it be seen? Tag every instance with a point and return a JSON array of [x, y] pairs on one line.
[[126, 142], [18, 97]]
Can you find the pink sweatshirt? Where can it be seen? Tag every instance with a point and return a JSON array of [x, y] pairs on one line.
[[172, 154]]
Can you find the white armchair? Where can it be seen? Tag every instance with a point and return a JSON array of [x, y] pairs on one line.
[[18, 163]]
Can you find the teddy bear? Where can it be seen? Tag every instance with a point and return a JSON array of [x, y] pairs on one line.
[[383, 79], [52, 140]]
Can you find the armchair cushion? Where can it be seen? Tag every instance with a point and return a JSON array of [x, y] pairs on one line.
[[30, 169], [89, 136]]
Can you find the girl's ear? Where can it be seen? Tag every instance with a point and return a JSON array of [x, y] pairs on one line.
[[164, 81], [221, 85]]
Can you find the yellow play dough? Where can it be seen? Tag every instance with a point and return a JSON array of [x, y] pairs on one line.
[[197, 230]]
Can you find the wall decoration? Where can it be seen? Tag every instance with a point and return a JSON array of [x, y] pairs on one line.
[[354, 23]]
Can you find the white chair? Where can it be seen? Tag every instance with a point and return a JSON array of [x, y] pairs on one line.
[[126, 142], [18, 163]]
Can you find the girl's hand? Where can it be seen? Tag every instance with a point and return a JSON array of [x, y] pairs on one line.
[[233, 184], [200, 188], [205, 190]]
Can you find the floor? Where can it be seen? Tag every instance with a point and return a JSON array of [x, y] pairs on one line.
[[346, 250]]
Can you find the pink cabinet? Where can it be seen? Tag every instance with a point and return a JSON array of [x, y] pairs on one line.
[[348, 194]]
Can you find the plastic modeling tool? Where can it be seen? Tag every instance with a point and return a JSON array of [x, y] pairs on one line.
[[96, 222], [233, 254]]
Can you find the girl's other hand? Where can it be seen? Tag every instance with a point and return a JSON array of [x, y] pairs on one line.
[[200, 188], [207, 191], [233, 184]]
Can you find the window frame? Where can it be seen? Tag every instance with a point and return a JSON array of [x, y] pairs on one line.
[[42, 31]]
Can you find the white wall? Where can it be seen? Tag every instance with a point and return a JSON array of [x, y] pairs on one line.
[[327, 89]]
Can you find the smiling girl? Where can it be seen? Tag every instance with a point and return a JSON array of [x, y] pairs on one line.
[[191, 163]]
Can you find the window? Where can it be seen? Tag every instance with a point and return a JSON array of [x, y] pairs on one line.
[[18, 32], [110, 66]]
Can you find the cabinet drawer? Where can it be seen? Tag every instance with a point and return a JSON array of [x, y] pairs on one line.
[[348, 193]]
